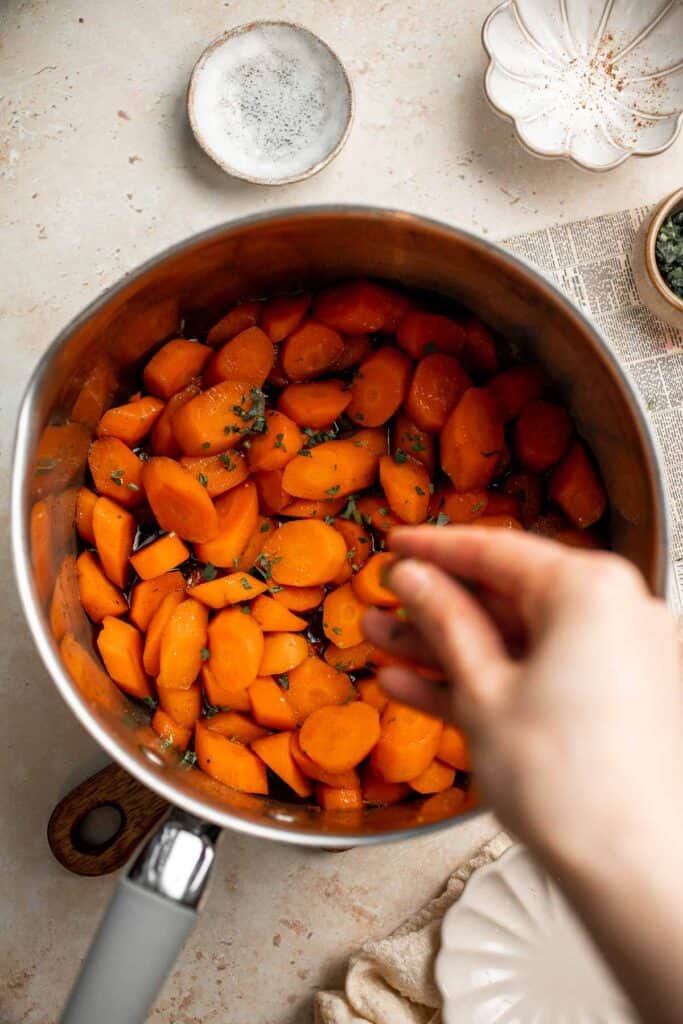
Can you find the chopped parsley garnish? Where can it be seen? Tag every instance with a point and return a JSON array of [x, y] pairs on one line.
[[442, 519], [246, 585], [227, 461], [205, 653], [337, 631], [279, 438], [150, 702], [418, 490], [117, 476], [265, 527], [429, 348], [400, 455], [351, 511], [206, 444], [333, 490], [203, 479], [133, 487], [306, 452], [245, 609], [283, 680], [209, 572], [189, 758], [478, 507]]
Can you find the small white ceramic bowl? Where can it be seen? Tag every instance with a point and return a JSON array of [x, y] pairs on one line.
[[270, 102], [593, 81], [512, 950]]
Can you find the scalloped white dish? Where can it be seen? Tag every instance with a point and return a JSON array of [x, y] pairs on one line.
[[512, 952], [592, 81]]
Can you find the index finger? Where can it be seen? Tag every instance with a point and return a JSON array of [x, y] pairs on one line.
[[521, 566]]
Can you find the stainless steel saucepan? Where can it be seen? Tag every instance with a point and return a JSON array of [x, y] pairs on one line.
[[193, 283]]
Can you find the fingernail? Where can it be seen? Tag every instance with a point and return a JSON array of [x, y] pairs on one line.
[[408, 577]]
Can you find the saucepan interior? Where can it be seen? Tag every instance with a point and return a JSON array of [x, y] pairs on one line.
[[196, 281]]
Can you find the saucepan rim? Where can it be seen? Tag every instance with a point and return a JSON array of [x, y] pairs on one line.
[[26, 433]]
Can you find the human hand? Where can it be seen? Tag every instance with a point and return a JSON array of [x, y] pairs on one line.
[[562, 670]]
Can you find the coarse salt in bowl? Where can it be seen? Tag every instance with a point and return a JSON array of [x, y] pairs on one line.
[[270, 102]]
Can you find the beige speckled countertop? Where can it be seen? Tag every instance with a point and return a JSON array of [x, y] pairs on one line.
[[98, 172]]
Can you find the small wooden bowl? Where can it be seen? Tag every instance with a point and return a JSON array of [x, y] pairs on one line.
[[652, 288]]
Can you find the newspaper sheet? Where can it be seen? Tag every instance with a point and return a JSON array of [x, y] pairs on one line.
[[590, 260]]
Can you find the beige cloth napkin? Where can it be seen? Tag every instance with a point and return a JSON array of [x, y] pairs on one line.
[[391, 981]]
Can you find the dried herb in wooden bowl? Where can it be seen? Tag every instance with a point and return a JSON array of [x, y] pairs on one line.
[[669, 251]]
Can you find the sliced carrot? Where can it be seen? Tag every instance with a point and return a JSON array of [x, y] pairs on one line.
[[159, 557], [515, 388], [235, 643], [120, 647], [184, 706], [342, 614], [238, 319], [230, 763], [441, 806], [357, 348], [479, 355], [89, 676], [313, 771], [382, 658], [305, 508], [162, 440], [500, 521], [434, 779], [464, 506], [373, 439], [269, 704], [420, 333], [116, 471], [380, 386], [152, 650], [66, 613], [361, 307], [147, 596], [499, 503], [310, 350], [528, 491], [376, 512], [406, 485], [283, 314], [339, 737], [372, 693], [437, 385], [298, 599], [216, 419], [332, 799], [277, 445], [236, 726], [333, 469], [96, 393], [174, 366], [99, 597], [237, 516], [304, 553], [575, 486], [271, 495], [114, 531], [179, 502], [314, 684], [183, 645], [368, 584], [282, 652], [231, 589], [229, 693], [408, 743], [85, 504], [380, 793], [358, 547], [472, 440], [217, 473], [60, 458], [43, 553], [352, 658], [276, 753], [316, 404], [273, 617], [542, 434], [252, 552], [248, 358], [453, 748], [170, 732], [418, 444], [131, 422]]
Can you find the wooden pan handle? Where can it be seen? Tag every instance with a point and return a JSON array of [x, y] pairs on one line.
[[139, 810]]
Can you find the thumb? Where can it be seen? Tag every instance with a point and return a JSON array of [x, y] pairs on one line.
[[454, 625]]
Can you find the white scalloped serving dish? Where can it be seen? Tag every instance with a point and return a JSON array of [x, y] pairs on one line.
[[512, 952], [593, 81]]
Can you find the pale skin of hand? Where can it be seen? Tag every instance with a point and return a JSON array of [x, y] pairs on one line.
[[563, 671]]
